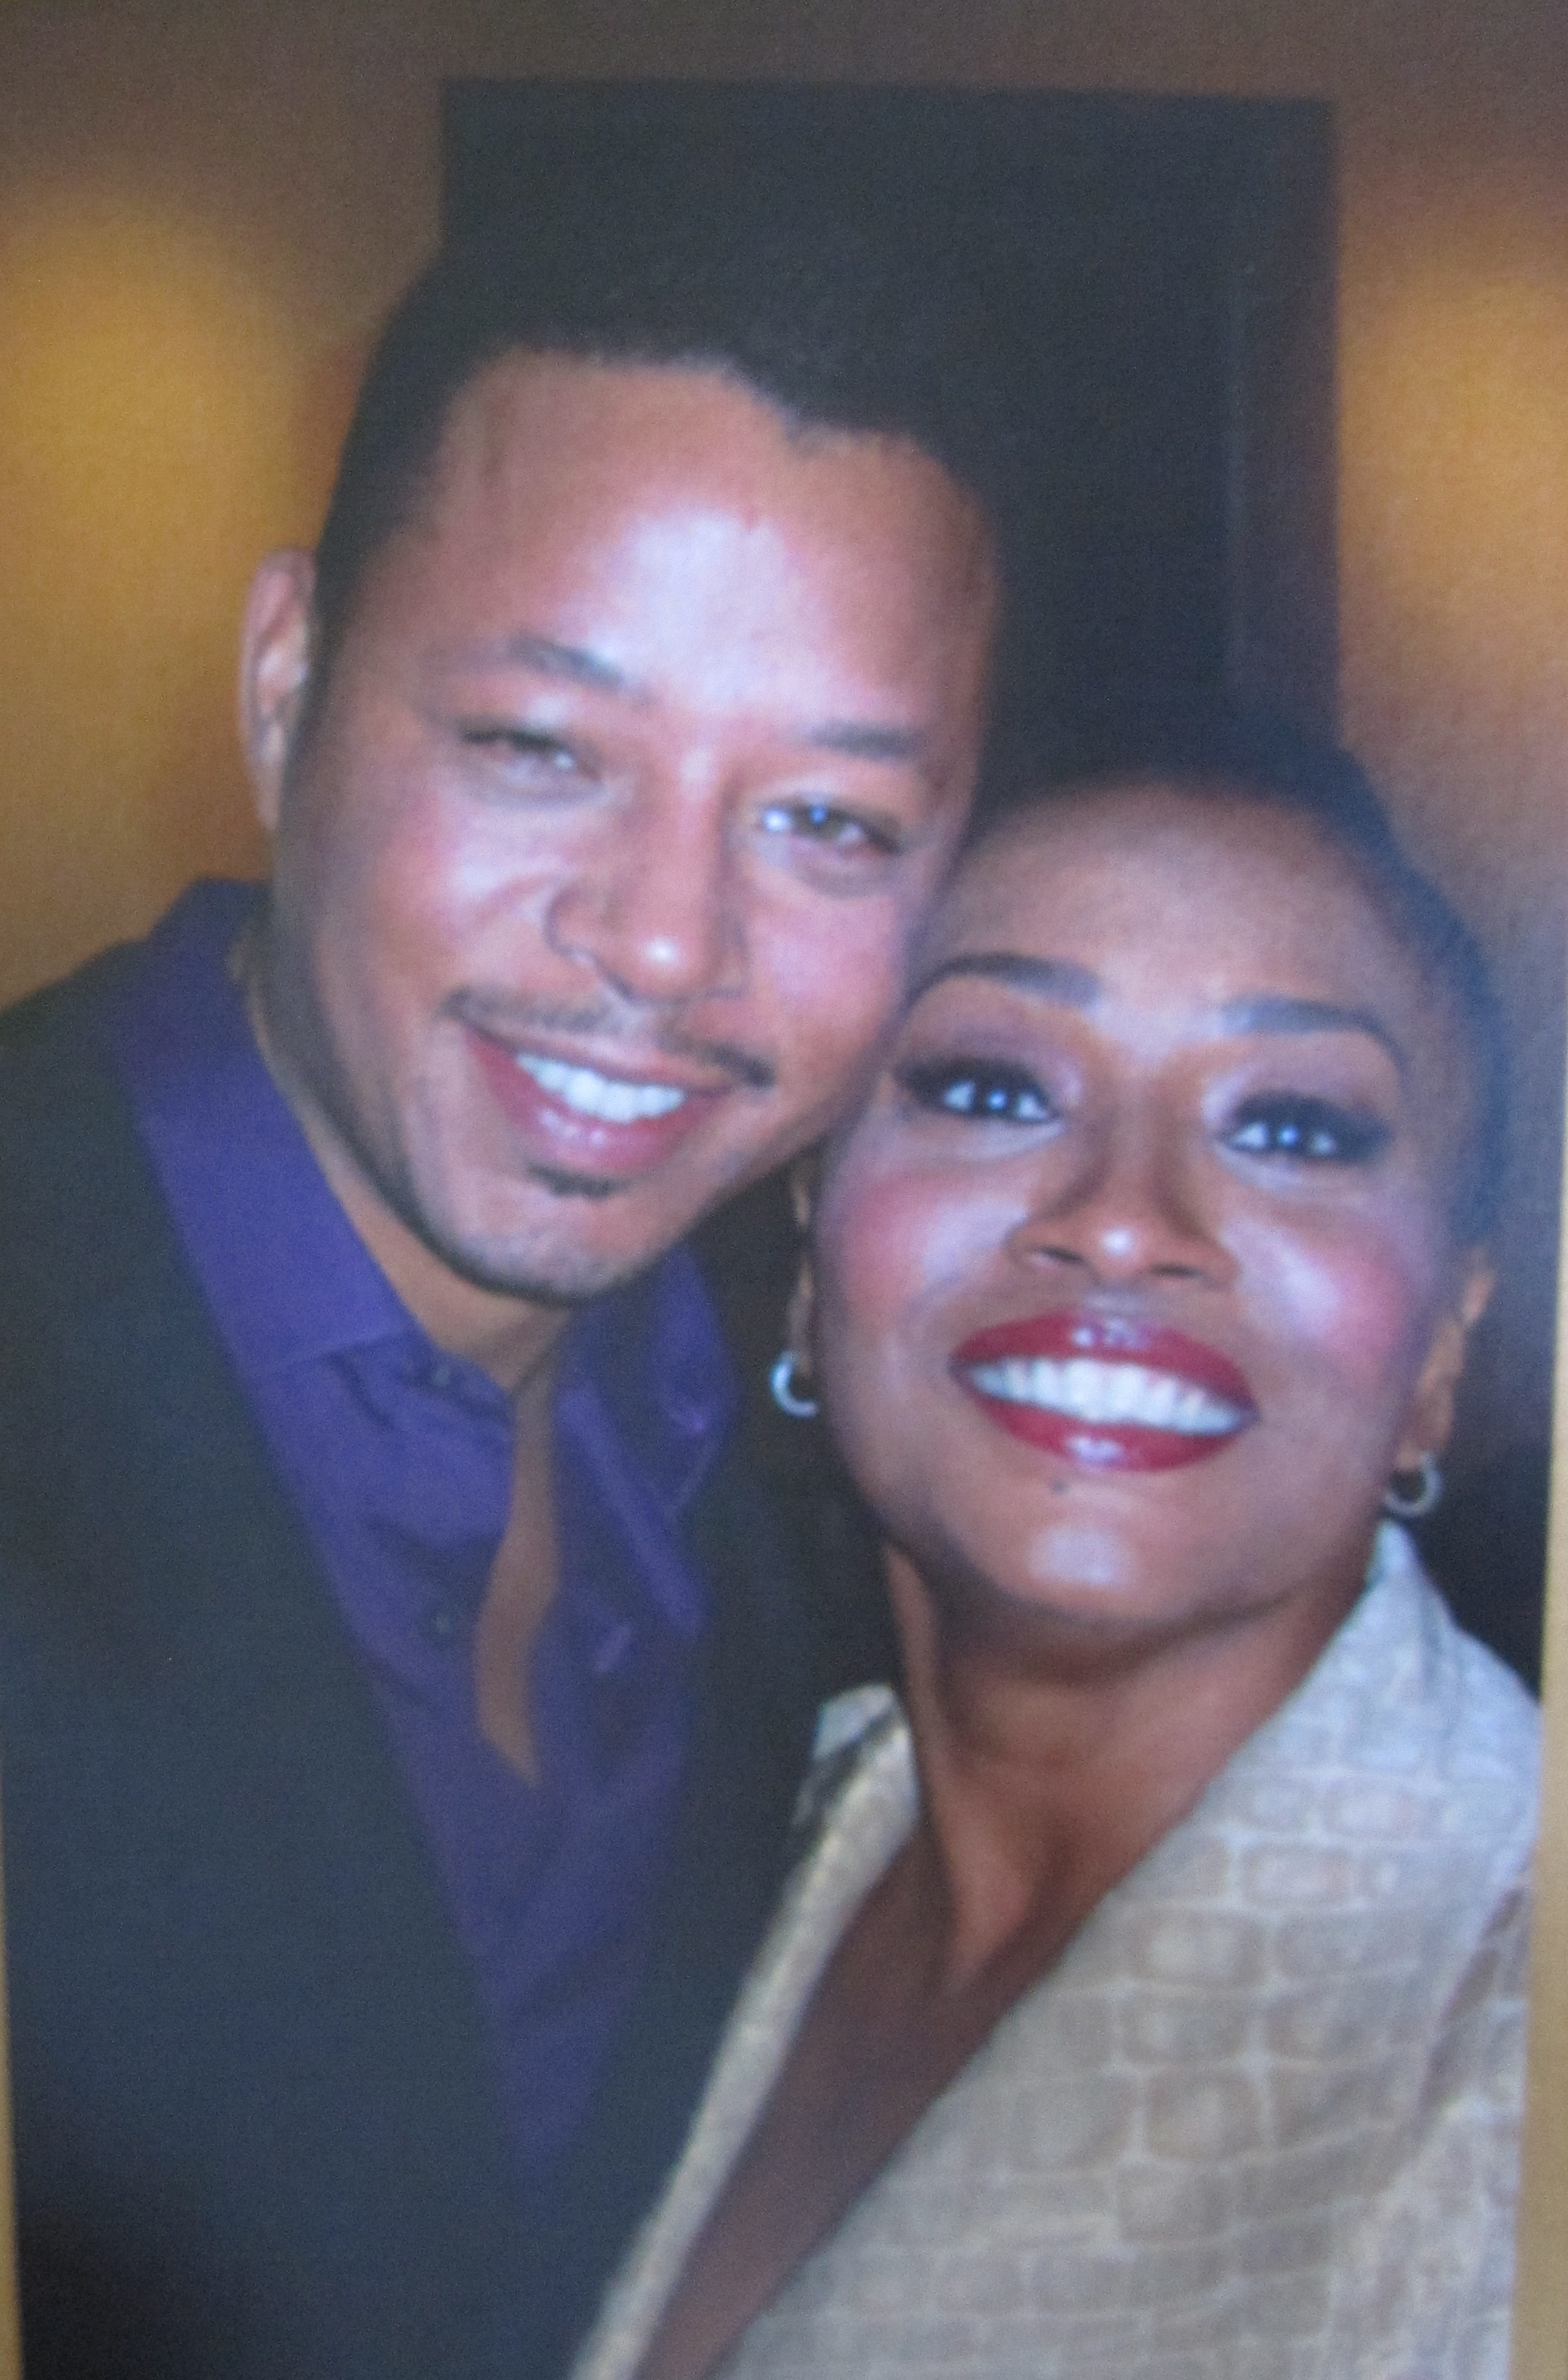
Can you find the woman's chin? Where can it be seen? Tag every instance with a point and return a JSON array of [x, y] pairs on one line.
[[1085, 1585], [1072, 1586], [1082, 1560]]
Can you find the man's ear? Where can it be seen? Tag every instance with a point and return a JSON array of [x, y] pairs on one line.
[[1430, 1418], [274, 672]]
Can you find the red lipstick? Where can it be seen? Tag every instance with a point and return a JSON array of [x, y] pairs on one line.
[[1107, 1393]]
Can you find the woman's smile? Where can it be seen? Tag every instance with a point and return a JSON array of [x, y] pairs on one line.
[[1105, 1391]]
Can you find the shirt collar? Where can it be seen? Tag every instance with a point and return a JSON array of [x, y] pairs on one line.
[[653, 1357], [286, 1273]]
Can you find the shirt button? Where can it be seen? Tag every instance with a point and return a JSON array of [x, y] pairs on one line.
[[441, 1375], [439, 1626]]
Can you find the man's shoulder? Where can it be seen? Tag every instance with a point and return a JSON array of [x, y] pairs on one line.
[[55, 1075], [112, 1388], [56, 1041], [62, 1011], [76, 1191]]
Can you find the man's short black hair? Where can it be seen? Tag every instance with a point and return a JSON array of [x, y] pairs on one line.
[[849, 325], [1254, 755]]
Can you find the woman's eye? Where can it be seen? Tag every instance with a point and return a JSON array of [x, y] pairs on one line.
[[1317, 1131], [988, 1093], [830, 828]]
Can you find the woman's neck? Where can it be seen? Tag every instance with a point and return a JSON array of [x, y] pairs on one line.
[[1046, 1774]]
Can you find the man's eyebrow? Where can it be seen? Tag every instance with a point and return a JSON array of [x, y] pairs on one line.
[[1062, 980], [551, 658], [855, 740], [1277, 1012]]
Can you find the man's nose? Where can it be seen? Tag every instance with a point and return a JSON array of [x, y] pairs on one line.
[[657, 911], [1135, 1206]]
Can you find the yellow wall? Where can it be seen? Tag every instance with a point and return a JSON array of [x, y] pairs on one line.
[[204, 208]]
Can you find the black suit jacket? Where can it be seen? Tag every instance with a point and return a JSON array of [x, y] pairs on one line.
[[255, 2130]]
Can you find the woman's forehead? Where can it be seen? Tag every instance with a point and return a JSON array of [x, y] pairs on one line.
[[1179, 879], [1166, 911]]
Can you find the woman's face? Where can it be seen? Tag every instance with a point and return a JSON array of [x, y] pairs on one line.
[[1134, 1279]]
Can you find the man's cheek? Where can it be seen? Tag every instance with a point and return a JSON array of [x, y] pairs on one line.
[[832, 975], [444, 911]]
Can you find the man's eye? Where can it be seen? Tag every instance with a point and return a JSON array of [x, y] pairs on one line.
[[987, 1093], [830, 828], [531, 745], [1315, 1131]]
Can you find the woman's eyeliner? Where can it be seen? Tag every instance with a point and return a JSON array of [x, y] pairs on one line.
[[1308, 1130], [1299, 1128]]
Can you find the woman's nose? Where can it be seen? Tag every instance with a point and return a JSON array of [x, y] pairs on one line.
[[1134, 1209], [657, 913]]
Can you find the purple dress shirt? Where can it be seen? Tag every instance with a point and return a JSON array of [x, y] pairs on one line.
[[398, 1458]]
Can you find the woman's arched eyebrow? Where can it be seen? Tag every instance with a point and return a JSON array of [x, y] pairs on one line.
[[1072, 986], [1062, 980], [1272, 1012]]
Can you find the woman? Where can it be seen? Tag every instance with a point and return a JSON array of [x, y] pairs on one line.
[[1148, 2001]]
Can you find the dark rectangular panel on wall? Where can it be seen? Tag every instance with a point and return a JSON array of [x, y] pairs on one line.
[[1175, 264]]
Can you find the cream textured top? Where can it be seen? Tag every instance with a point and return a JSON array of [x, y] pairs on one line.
[[1260, 2122]]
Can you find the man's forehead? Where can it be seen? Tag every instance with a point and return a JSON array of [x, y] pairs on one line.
[[529, 406], [580, 490]]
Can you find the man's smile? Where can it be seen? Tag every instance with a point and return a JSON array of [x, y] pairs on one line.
[[590, 1093], [576, 1117]]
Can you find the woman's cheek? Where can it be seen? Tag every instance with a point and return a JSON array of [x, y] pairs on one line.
[[1360, 1307], [902, 1236], [899, 1257]]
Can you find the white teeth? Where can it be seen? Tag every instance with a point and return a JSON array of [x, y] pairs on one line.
[[596, 1095], [1107, 1393]]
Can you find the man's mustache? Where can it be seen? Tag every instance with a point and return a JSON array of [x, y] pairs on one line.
[[507, 1018]]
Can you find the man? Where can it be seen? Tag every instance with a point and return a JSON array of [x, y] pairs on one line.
[[402, 1701]]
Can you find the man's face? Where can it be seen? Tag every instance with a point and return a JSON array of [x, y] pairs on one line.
[[645, 745]]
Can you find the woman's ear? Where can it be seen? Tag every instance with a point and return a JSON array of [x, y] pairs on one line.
[[274, 672], [1430, 1418]]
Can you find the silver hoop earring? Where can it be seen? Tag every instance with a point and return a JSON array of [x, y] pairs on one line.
[[1415, 1506], [787, 1396]]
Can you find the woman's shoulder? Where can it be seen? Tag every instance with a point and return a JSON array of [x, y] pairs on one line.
[[1402, 1685]]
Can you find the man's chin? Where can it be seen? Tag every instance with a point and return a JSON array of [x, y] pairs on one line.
[[575, 1185], [557, 1235], [562, 1266]]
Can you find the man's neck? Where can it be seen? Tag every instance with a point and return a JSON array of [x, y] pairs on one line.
[[514, 1339]]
